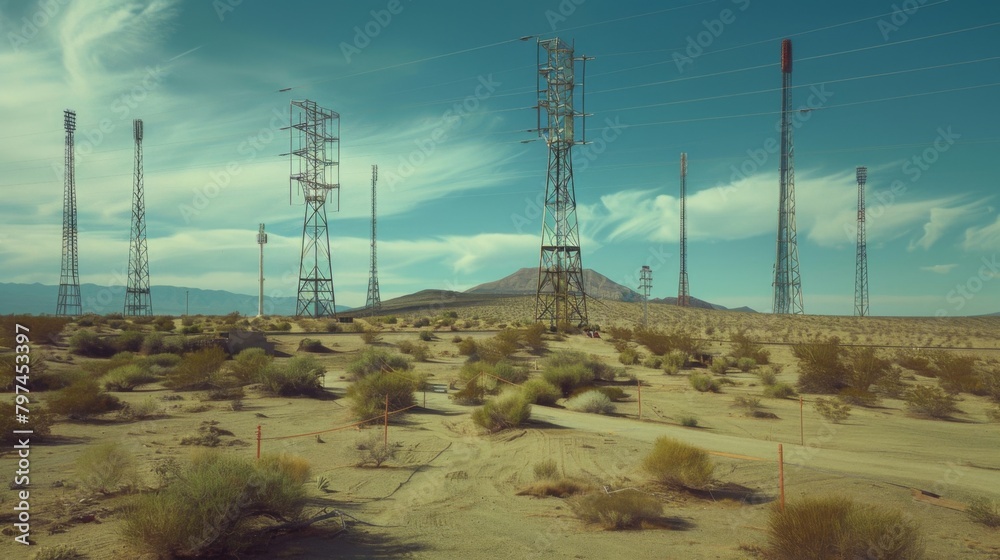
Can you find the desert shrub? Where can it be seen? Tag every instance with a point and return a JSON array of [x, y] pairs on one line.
[[107, 467], [591, 401], [546, 470], [373, 450], [312, 345], [371, 335], [467, 347], [250, 364], [283, 326], [767, 376], [626, 509], [421, 352], [614, 393], [678, 464], [496, 348], [745, 346], [39, 422], [127, 377], [778, 391], [44, 330], [834, 528], [368, 394], [58, 552], [926, 400], [568, 377], [689, 421], [540, 392], [865, 367], [164, 360], [569, 370], [509, 410], [915, 360], [299, 376], [215, 506], [473, 393], [984, 511], [620, 333], [560, 487], [745, 364], [197, 370], [129, 341], [629, 357], [193, 329], [832, 410], [81, 399], [820, 367], [704, 383], [653, 362], [676, 358], [747, 404], [533, 336], [86, 343], [41, 377], [719, 366], [142, 410], [956, 373], [374, 360], [509, 372]]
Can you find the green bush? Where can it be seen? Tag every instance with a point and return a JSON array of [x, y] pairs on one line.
[[779, 391], [925, 400], [249, 365], [767, 376], [129, 341], [509, 372], [420, 351], [467, 347], [625, 509], [653, 362], [540, 392], [956, 373], [128, 377], [533, 336], [368, 394], [509, 410], [832, 410], [598, 369], [107, 468], [162, 360], [375, 360], [82, 399], [473, 393], [745, 346], [689, 421], [299, 376], [426, 336], [745, 364], [629, 357], [616, 394], [984, 511], [835, 528], [820, 367], [39, 421], [215, 506], [591, 401], [197, 370], [678, 464], [704, 383], [748, 404], [86, 343], [719, 365], [568, 377]]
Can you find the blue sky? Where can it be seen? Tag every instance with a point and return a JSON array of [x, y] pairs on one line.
[[907, 89]]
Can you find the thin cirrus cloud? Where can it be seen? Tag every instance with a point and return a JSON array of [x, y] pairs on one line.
[[939, 268]]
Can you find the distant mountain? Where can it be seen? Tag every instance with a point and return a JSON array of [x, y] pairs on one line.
[[701, 304], [40, 299], [525, 282]]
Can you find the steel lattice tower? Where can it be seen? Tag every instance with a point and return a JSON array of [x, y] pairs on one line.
[[645, 283], [374, 301], [861, 272], [683, 296], [315, 147], [68, 302], [137, 299], [560, 297], [261, 241], [787, 282]]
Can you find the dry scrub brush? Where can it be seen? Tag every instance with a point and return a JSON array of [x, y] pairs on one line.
[[625, 509], [509, 410], [836, 528], [678, 464], [593, 401], [107, 468], [374, 360], [368, 395]]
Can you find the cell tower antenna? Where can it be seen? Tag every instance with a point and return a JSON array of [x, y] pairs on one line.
[[137, 297], [787, 282], [861, 272], [560, 297], [315, 166], [683, 296], [374, 301], [645, 283], [261, 240], [68, 302]]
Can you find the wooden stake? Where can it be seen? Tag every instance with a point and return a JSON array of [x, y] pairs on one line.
[[258, 441], [781, 476], [386, 419], [802, 433], [639, 388]]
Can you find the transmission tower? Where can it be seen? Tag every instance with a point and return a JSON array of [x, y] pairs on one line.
[[683, 297], [315, 166], [560, 297], [645, 283], [261, 240], [787, 283], [68, 302], [861, 272], [374, 301], [137, 300]]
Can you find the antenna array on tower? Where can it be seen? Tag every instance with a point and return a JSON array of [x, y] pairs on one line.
[[645, 283], [374, 300], [68, 302], [861, 269], [137, 296], [787, 283]]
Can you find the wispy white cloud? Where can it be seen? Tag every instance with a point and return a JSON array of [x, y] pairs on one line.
[[983, 238], [939, 268], [942, 220]]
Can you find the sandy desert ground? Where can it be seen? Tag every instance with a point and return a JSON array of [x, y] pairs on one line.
[[451, 492]]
